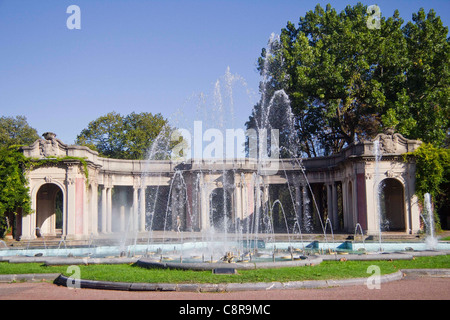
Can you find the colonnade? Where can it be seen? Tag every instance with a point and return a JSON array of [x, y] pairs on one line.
[[345, 185], [135, 215]]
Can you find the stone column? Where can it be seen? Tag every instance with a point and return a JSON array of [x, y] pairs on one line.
[[345, 205], [371, 199], [334, 209], [94, 209], [71, 205], [251, 205], [104, 210], [82, 221], [354, 203], [329, 202], [238, 204], [135, 209], [29, 221], [109, 209], [142, 209], [204, 199], [29, 226], [244, 199]]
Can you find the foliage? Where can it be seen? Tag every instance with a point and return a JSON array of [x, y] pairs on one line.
[[34, 163], [432, 174], [16, 131], [432, 169], [13, 184], [14, 192], [123, 137], [347, 82]]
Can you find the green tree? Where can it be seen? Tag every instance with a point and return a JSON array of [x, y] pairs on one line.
[[16, 131], [123, 137], [422, 106], [347, 82], [14, 192], [433, 176]]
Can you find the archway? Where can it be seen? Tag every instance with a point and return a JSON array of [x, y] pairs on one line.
[[392, 205], [49, 210]]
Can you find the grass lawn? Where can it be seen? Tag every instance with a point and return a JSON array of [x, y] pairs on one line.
[[325, 270]]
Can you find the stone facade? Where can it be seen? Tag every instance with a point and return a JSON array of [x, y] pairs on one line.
[[346, 183]]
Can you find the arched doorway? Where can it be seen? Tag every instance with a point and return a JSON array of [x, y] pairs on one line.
[[392, 205], [49, 210]]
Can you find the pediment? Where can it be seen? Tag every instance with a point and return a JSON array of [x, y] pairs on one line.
[[48, 147]]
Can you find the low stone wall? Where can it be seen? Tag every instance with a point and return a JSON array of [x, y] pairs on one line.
[[222, 287], [202, 266]]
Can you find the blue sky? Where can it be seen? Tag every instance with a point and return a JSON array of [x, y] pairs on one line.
[[152, 56]]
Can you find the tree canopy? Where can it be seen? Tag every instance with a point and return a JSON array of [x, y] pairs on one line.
[[13, 184], [348, 82], [14, 191], [123, 137], [16, 131], [433, 176]]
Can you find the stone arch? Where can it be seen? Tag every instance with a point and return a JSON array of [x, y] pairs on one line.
[[392, 204], [50, 209]]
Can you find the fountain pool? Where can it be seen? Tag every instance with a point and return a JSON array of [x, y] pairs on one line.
[[207, 251]]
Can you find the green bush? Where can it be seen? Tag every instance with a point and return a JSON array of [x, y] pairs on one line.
[[14, 191], [432, 175]]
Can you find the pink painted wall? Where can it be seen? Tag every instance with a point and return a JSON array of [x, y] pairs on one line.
[[361, 199], [79, 205]]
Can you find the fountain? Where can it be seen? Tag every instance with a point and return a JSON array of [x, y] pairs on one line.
[[63, 240], [38, 232], [219, 236], [328, 222], [5, 246], [358, 226], [253, 230], [378, 188], [428, 218]]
